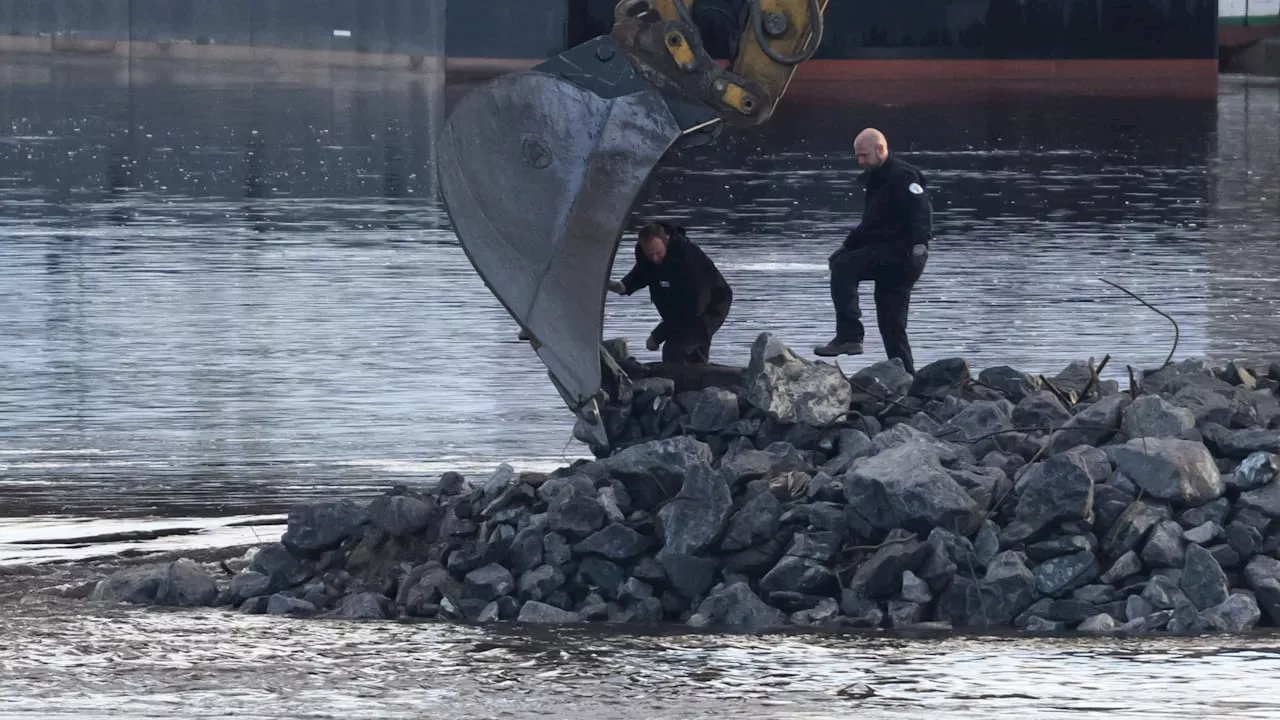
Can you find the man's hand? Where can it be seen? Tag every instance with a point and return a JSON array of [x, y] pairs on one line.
[[616, 286], [651, 343]]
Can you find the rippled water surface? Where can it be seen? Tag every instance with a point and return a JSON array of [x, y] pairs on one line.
[[221, 292], [57, 661]]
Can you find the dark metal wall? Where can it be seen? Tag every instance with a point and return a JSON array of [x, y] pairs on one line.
[[999, 29], [539, 28], [1012, 29]]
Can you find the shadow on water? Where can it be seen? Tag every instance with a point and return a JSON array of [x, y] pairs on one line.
[[224, 291]]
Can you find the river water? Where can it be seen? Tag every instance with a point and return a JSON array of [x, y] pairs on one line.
[[223, 292]]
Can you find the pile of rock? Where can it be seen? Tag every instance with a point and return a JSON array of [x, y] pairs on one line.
[[804, 497]]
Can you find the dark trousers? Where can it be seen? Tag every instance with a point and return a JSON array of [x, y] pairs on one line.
[[690, 342], [895, 275]]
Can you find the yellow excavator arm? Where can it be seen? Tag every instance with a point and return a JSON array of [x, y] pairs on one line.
[[539, 170], [779, 35]]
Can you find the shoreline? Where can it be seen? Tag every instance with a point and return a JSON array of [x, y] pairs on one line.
[[787, 496]]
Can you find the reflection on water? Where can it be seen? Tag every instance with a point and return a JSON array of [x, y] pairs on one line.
[[221, 292], [56, 660]]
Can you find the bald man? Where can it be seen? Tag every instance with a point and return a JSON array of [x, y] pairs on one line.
[[890, 246]]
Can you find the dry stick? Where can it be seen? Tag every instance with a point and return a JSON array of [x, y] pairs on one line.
[[1177, 332], [1095, 375], [1062, 397]]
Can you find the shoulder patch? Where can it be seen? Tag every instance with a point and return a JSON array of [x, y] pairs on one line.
[[915, 189]]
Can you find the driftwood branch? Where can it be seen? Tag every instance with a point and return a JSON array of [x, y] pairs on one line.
[[1177, 332]]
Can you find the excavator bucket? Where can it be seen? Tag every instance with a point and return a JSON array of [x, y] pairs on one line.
[[539, 171]]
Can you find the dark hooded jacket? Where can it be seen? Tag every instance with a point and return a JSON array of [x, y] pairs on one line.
[[897, 213], [685, 288]]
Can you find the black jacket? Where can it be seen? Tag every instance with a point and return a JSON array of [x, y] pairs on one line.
[[897, 213], [685, 288]]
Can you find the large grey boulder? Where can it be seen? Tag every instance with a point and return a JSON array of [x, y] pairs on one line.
[[792, 389]]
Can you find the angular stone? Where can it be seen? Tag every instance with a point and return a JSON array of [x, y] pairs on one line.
[[489, 582], [713, 410], [317, 526], [1154, 417], [1100, 623], [576, 510], [1013, 384], [616, 542], [1243, 443], [1258, 469], [978, 424], [1063, 574], [1092, 426], [906, 487], [1265, 499], [1203, 580], [1204, 533], [540, 613], [1126, 566], [1059, 488], [756, 522], [398, 515], [880, 576], [1164, 546], [697, 516], [1181, 472], [1262, 575], [743, 463], [1041, 409], [792, 389], [652, 472], [540, 582], [736, 607], [1238, 613], [940, 378]]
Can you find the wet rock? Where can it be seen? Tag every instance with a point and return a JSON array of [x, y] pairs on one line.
[[181, 584], [361, 606], [1238, 613], [284, 605], [736, 607], [539, 613], [317, 526], [791, 389], [1100, 623]]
